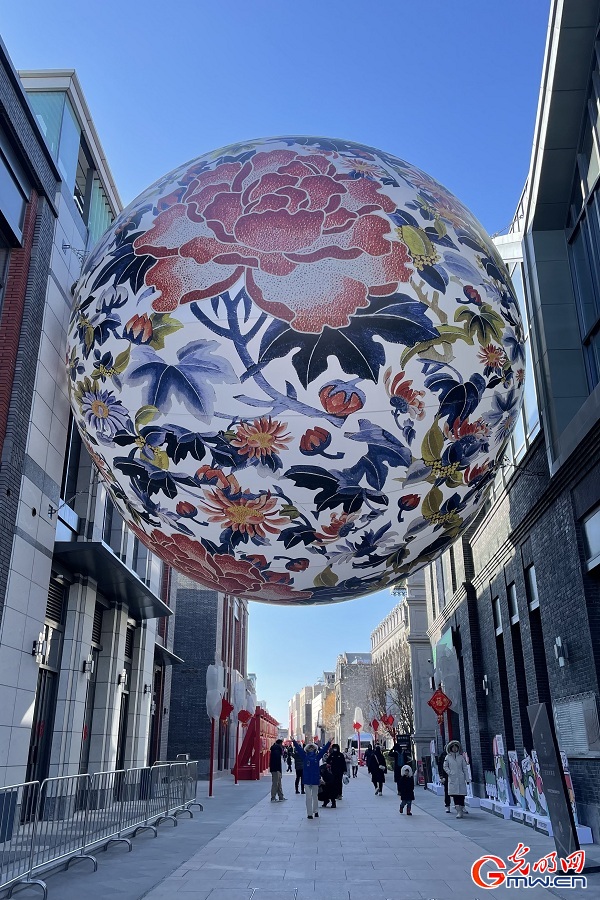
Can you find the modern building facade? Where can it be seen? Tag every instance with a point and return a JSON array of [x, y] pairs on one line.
[[514, 606], [81, 661]]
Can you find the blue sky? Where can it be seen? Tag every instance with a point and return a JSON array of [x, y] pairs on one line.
[[449, 86]]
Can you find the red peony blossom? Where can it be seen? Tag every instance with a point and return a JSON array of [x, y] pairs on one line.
[[310, 241], [219, 572]]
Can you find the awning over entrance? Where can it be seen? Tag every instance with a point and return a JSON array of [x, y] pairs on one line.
[[115, 581], [165, 656]]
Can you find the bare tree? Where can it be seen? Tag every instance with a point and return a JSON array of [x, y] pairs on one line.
[[378, 690], [400, 688]]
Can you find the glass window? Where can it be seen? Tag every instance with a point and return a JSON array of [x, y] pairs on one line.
[[4, 256], [591, 533], [531, 588], [68, 149], [13, 202], [590, 158], [532, 412], [48, 108], [513, 607], [100, 214], [497, 615]]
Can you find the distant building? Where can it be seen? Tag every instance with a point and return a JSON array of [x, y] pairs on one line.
[[209, 627], [352, 680], [401, 666]]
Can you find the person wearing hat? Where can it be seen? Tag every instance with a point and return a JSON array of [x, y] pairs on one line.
[[458, 776], [406, 789], [311, 756]]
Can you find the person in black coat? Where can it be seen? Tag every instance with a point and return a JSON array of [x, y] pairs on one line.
[[402, 758], [377, 769], [327, 787], [444, 779], [406, 789], [275, 768], [337, 763]]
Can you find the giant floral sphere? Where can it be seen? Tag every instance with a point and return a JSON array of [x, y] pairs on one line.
[[296, 364]]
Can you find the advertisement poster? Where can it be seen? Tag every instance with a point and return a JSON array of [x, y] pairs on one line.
[[491, 790], [531, 797], [516, 776], [469, 775], [547, 764], [501, 772], [539, 784], [435, 775], [569, 783]]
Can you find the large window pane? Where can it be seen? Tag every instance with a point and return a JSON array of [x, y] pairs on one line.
[[532, 413], [100, 212], [584, 288], [48, 108], [68, 150], [591, 531]]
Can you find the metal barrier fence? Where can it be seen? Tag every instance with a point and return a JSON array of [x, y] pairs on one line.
[[64, 817]]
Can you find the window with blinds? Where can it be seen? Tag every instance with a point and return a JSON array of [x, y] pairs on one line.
[[129, 643], [55, 605], [577, 725], [97, 626]]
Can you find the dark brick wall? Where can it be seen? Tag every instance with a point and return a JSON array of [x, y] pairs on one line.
[[538, 521], [195, 634]]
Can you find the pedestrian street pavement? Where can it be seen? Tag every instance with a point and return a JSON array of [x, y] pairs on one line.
[[363, 850], [243, 847]]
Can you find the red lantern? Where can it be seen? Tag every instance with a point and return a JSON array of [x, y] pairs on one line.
[[375, 725], [357, 726], [226, 710], [244, 716]]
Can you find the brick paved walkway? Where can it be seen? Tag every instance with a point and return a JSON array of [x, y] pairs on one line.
[[363, 850]]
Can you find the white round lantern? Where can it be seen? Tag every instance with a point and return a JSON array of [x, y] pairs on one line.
[[296, 364]]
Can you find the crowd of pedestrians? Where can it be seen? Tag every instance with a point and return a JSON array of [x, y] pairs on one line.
[[322, 772]]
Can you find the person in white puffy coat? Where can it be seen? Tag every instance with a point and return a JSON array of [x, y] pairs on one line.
[[458, 776]]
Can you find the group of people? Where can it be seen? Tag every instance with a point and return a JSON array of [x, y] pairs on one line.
[[322, 771]]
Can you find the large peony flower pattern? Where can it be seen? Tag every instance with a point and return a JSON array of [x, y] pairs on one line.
[[295, 364], [219, 572], [311, 241]]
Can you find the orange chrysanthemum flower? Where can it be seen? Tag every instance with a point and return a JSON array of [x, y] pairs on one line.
[[247, 514], [261, 438]]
